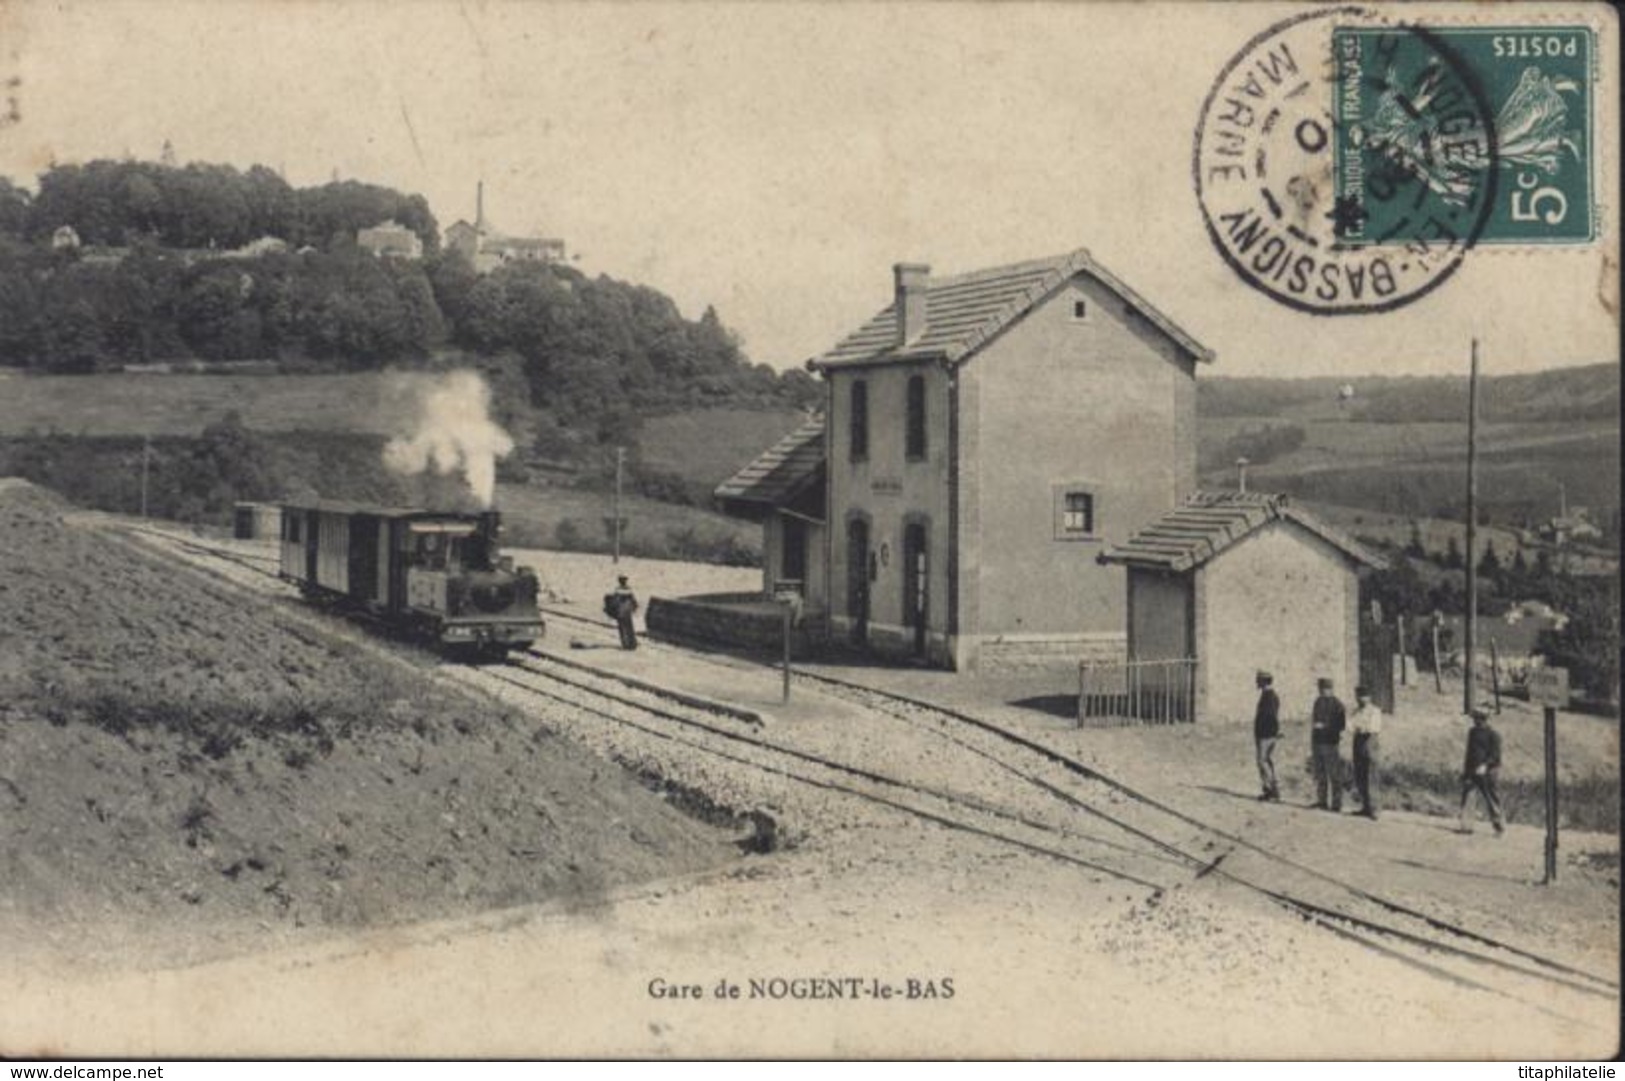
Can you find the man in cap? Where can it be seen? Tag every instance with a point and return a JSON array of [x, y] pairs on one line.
[[621, 606], [1266, 733], [1326, 722], [1479, 770], [1366, 724]]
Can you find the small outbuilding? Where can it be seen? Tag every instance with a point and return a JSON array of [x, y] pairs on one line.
[[1235, 582], [256, 521]]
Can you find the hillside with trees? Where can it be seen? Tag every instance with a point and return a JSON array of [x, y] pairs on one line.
[[209, 263]]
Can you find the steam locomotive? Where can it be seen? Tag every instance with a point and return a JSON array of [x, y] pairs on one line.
[[434, 575]]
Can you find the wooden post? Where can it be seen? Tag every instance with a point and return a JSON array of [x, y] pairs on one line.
[[1438, 662], [786, 614], [1468, 668], [146, 458], [1551, 795], [1404, 661], [1495, 674], [620, 460]]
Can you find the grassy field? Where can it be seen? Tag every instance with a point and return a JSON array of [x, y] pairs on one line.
[[711, 445], [1403, 471], [122, 404], [536, 517]]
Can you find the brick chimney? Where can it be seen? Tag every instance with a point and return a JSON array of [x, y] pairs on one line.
[[911, 280]]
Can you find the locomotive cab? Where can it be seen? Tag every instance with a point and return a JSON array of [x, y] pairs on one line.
[[462, 590]]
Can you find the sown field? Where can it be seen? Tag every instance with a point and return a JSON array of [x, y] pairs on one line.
[[126, 404], [1419, 469]]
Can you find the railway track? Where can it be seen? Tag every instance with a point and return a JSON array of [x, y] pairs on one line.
[[1424, 943], [696, 728], [1390, 928], [1152, 845]]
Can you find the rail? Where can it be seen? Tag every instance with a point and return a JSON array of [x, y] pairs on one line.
[[1136, 692]]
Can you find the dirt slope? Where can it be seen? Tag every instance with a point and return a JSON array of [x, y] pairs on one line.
[[215, 772]]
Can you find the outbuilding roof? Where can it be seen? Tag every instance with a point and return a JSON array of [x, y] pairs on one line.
[[964, 312], [1209, 522], [781, 472]]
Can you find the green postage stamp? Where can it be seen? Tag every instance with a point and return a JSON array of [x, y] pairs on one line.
[[1410, 105]]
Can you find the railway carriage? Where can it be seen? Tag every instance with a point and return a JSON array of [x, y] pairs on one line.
[[437, 575]]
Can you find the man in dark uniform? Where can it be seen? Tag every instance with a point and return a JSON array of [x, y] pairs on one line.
[[1326, 723], [1266, 733], [622, 605], [1479, 770]]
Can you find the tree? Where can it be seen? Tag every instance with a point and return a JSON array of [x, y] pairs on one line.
[[1452, 555], [1489, 565], [1588, 645], [1414, 548], [14, 209]]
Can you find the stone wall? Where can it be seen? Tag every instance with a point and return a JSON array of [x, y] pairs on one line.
[[1013, 656], [741, 620]]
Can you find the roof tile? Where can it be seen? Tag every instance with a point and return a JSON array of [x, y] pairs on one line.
[[1209, 522], [964, 311]]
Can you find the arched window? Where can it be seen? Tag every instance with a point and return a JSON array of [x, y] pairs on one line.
[[914, 441]]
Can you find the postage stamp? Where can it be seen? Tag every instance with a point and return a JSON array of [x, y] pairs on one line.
[[1297, 141], [1538, 83]]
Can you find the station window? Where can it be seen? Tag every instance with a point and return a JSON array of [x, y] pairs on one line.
[[1076, 512], [1080, 311], [860, 419], [914, 430]]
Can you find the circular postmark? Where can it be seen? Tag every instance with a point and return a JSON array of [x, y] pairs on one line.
[[1343, 164]]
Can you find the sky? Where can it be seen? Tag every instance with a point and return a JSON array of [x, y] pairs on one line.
[[773, 160]]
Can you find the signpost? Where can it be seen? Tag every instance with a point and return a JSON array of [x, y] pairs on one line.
[[1550, 687], [789, 597]]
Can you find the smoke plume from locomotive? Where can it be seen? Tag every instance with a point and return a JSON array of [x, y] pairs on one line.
[[455, 434]]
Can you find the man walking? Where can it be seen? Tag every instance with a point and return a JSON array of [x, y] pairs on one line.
[[621, 606], [1326, 723], [1266, 734], [1478, 772], [1366, 724]]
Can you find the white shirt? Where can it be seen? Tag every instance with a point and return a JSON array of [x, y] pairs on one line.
[[1367, 719]]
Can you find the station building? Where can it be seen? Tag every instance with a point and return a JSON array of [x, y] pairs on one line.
[[985, 437]]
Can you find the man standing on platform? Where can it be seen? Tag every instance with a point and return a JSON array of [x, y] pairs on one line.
[[1366, 723], [1326, 723], [621, 606], [1266, 734]]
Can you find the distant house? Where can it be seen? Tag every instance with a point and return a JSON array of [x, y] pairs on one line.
[[465, 238], [391, 239], [1573, 525], [486, 249], [65, 238], [1243, 581], [524, 249], [985, 437]]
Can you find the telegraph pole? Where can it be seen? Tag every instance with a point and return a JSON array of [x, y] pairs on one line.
[[146, 455], [620, 461], [1472, 529]]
